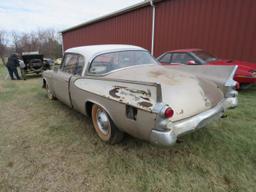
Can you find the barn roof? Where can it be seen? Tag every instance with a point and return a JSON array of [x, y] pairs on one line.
[[113, 14]]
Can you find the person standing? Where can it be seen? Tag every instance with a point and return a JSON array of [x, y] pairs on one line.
[[12, 65]]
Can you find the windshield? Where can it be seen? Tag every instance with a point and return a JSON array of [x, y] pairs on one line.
[[110, 61], [205, 56]]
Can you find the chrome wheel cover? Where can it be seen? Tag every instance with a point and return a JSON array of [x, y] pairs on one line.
[[103, 121]]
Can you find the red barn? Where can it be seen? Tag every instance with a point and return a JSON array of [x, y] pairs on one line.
[[226, 28]]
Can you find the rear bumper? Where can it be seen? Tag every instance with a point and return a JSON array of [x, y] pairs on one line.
[[169, 136]]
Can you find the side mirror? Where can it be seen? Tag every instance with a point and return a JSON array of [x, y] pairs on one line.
[[191, 62]]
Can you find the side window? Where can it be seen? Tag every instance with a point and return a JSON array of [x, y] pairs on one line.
[[79, 66], [69, 63], [182, 58], [166, 58]]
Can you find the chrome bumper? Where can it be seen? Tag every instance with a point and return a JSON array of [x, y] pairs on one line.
[[169, 136]]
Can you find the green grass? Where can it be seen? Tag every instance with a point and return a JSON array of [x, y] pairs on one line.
[[45, 146], [2, 71]]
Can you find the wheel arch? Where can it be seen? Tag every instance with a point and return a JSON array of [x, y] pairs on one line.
[[44, 83], [88, 108]]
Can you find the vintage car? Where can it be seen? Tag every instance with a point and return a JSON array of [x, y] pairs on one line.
[[245, 74], [123, 89], [35, 63]]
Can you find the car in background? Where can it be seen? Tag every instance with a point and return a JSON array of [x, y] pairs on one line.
[[48, 61], [123, 89], [35, 63], [245, 74]]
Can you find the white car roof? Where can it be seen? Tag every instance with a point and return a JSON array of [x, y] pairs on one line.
[[93, 50]]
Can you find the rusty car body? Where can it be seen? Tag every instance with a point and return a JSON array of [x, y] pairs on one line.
[[125, 90]]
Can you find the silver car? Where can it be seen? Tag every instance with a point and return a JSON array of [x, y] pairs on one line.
[[123, 89]]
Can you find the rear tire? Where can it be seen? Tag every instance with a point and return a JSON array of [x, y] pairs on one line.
[[104, 126]]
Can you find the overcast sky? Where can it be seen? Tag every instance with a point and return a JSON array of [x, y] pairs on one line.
[[28, 15]]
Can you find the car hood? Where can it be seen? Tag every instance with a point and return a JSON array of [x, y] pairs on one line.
[[187, 94]]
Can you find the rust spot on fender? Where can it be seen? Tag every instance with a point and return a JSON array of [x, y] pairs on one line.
[[156, 73], [113, 92], [145, 98], [145, 104], [164, 77], [119, 89]]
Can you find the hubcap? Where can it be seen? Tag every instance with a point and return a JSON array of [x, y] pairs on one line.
[[49, 93], [103, 121]]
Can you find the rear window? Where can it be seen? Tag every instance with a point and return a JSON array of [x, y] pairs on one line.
[[111, 61]]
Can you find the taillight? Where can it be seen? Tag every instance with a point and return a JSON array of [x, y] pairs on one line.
[[167, 112]]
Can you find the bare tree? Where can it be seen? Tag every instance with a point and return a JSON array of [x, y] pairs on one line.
[[50, 44], [15, 40], [47, 42], [3, 46]]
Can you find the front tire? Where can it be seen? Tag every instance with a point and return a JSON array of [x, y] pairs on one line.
[[104, 126], [49, 93]]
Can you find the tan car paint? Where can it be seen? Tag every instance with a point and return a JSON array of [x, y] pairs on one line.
[[140, 128], [189, 97]]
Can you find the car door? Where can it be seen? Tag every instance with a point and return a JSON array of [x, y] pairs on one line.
[[74, 94], [62, 77]]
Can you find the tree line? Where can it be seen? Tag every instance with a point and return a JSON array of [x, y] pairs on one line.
[[46, 42]]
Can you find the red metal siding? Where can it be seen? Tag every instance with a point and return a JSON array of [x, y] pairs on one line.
[[226, 28], [130, 28]]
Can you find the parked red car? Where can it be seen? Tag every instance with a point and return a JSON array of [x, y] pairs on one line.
[[245, 75]]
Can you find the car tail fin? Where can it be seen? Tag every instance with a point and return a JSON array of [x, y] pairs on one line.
[[223, 76]]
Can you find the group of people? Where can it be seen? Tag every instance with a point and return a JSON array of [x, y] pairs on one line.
[[12, 64]]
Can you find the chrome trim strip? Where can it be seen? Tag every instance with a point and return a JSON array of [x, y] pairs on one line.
[[87, 73]]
